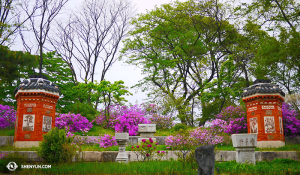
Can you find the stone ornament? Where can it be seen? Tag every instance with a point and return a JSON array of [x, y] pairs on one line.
[[253, 125], [245, 147], [47, 123], [280, 125], [147, 131], [269, 124], [147, 128], [122, 139], [205, 157], [28, 122]]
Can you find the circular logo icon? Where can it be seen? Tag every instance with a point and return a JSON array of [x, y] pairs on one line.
[[12, 166]]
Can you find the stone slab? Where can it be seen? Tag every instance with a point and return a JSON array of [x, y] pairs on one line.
[[7, 140], [244, 140], [270, 144], [121, 136], [147, 128], [26, 144], [245, 155], [205, 157]]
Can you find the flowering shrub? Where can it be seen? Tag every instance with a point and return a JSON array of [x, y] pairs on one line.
[[146, 150], [188, 140], [2, 155], [162, 122], [107, 141], [7, 116], [74, 122], [290, 123], [234, 120], [124, 119]]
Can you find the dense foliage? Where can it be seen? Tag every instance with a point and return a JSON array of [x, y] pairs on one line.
[[7, 116], [56, 147]]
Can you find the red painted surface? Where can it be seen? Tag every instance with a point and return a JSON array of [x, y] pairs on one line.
[[259, 106], [40, 102]]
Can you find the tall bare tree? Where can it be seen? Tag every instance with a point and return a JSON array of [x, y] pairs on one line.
[[94, 32], [41, 21], [11, 19]]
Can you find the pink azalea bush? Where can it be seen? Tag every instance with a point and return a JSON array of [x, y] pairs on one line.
[[107, 141], [7, 116], [290, 122], [2, 155], [232, 119], [124, 119], [74, 122], [162, 122]]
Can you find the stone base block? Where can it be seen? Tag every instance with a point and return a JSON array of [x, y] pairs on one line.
[[122, 157], [26, 144], [270, 144], [245, 155], [140, 139]]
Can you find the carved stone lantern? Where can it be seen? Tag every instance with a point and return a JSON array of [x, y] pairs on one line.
[[36, 103], [264, 114]]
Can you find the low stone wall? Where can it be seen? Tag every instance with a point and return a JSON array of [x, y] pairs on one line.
[[292, 140], [110, 156], [4, 140]]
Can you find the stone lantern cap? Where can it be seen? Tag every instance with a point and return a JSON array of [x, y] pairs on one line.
[[262, 87], [36, 84]]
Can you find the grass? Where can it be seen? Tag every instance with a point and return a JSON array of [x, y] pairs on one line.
[[7, 132], [284, 148], [275, 167], [131, 168], [96, 130]]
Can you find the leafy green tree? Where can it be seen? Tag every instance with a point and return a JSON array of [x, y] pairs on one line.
[[108, 93], [14, 66], [183, 50], [277, 58], [59, 72], [11, 19]]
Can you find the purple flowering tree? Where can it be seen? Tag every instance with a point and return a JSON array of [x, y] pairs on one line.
[[73, 122], [290, 122], [7, 116]]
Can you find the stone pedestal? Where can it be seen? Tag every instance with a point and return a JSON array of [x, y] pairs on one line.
[[36, 103], [147, 131], [122, 139], [264, 114], [205, 158], [244, 145]]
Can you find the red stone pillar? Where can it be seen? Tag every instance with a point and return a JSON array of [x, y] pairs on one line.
[[264, 115], [36, 103]]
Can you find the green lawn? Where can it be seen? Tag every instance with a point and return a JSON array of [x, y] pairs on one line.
[[275, 167]]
